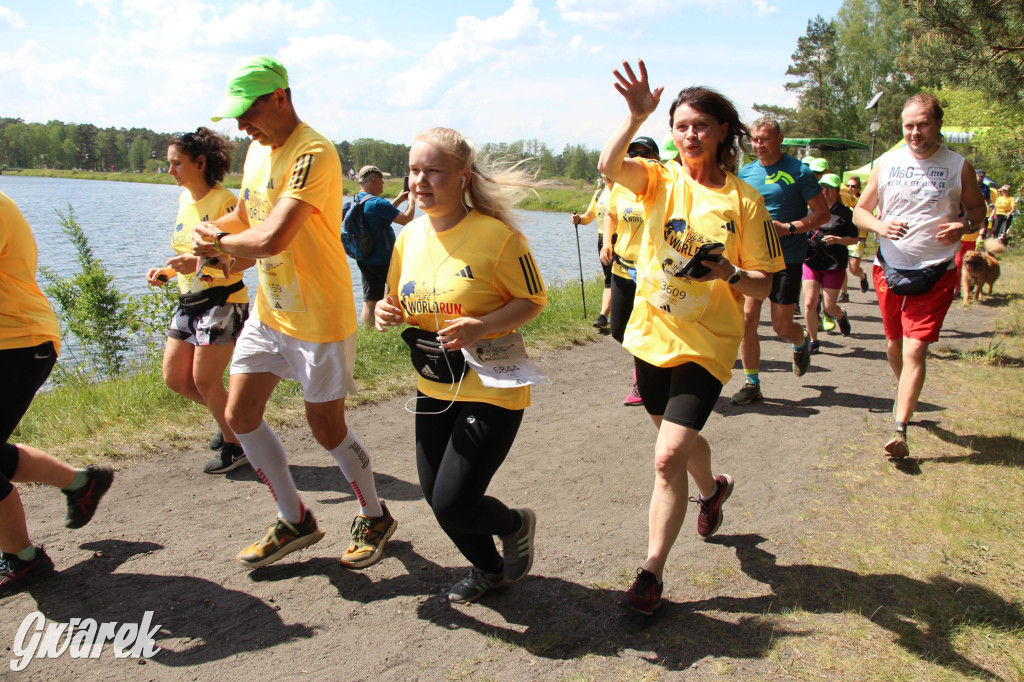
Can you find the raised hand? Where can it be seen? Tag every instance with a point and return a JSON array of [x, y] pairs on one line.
[[636, 91]]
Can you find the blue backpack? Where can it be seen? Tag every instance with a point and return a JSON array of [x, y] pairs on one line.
[[356, 235]]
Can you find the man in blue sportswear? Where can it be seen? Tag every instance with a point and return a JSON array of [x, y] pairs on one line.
[[789, 188], [380, 214]]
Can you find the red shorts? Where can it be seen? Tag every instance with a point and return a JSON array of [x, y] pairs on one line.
[[914, 317]]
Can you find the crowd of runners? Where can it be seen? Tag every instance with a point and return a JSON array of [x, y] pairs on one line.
[[692, 241]]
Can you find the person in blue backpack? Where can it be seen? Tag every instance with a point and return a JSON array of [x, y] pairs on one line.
[[379, 215]]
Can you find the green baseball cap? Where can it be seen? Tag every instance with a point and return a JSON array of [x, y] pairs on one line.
[[668, 147], [830, 179], [255, 76], [819, 165], [807, 160]]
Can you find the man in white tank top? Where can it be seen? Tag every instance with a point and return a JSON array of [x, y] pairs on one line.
[[927, 199]]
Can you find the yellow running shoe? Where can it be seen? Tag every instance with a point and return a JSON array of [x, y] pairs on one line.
[[281, 538], [369, 535]]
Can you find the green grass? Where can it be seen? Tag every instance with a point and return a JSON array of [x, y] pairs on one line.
[[134, 415], [914, 572]]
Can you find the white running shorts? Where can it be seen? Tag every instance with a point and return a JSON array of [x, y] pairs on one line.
[[323, 369]]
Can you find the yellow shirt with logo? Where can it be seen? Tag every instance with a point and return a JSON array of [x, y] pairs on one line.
[[1004, 205], [217, 202], [675, 319], [469, 270], [601, 207], [306, 290], [627, 213], [26, 318]]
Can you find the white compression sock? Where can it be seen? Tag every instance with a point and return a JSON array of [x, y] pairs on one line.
[[267, 456], [354, 461]]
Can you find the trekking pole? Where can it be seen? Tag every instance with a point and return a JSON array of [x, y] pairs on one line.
[[579, 257]]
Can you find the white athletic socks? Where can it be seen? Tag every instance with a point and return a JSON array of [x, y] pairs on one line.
[[354, 461], [267, 456]]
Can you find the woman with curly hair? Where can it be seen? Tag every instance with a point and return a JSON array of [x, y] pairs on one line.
[[213, 300]]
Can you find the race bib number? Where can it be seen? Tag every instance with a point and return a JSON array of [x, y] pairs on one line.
[[678, 296], [279, 284], [189, 283], [502, 363]]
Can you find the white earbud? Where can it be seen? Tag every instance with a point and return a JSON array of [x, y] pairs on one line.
[[462, 182]]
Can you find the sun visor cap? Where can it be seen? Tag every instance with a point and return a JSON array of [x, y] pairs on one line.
[[254, 77]]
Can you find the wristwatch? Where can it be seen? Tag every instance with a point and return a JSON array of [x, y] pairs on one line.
[[792, 228], [216, 241], [735, 276]]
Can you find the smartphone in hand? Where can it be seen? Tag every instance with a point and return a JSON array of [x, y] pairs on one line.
[[695, 267], [405, 184]]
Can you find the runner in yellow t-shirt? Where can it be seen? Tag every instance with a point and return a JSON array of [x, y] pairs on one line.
[[1003, 209], [304, 325], [686, 327], [460, 275], [29, 342], [212, 307], [623, 228], [598, 209]]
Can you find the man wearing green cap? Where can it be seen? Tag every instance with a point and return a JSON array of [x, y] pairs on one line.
[[304, 324]]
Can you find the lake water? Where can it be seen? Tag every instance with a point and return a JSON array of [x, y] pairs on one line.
[[129, 229]]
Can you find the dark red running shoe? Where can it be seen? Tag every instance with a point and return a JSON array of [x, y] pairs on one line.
[[15, 573], [709, 520], [82, 503], [645, 594]]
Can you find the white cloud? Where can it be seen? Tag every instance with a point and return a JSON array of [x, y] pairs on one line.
[[320, 52], [763, 8], [578, 44], [504, 43], [610, 15], [10, 18]]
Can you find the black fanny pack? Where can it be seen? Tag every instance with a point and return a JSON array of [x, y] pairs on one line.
[[903, 282], [430, 360], [200, 302]]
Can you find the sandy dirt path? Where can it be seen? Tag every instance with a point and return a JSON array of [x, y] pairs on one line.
[[165, 537]]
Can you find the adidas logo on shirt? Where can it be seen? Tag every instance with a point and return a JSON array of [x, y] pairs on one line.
[[465, 272]]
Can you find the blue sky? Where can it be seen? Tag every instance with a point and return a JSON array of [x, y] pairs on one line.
[[496, 70]]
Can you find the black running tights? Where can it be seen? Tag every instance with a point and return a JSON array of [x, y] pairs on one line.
[[457, 454], [24, 371]]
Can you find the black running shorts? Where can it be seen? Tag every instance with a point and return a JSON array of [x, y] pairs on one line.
[[684, 394]]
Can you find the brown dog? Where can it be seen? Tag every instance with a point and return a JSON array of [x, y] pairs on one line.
[[979, 269]]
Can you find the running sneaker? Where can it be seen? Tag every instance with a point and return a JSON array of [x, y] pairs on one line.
[[828, 323], [897, 447], [230, 458], [16, 574], [633, 399], [748, 394], [710, 516], [601, 324], [644, 595], [369, 535], [844, 323], [802, 357], [217, 441], [282, 538], [475, 585], [815, 347], [517, 553], [843, 297], [82, 503], [863, 285]]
